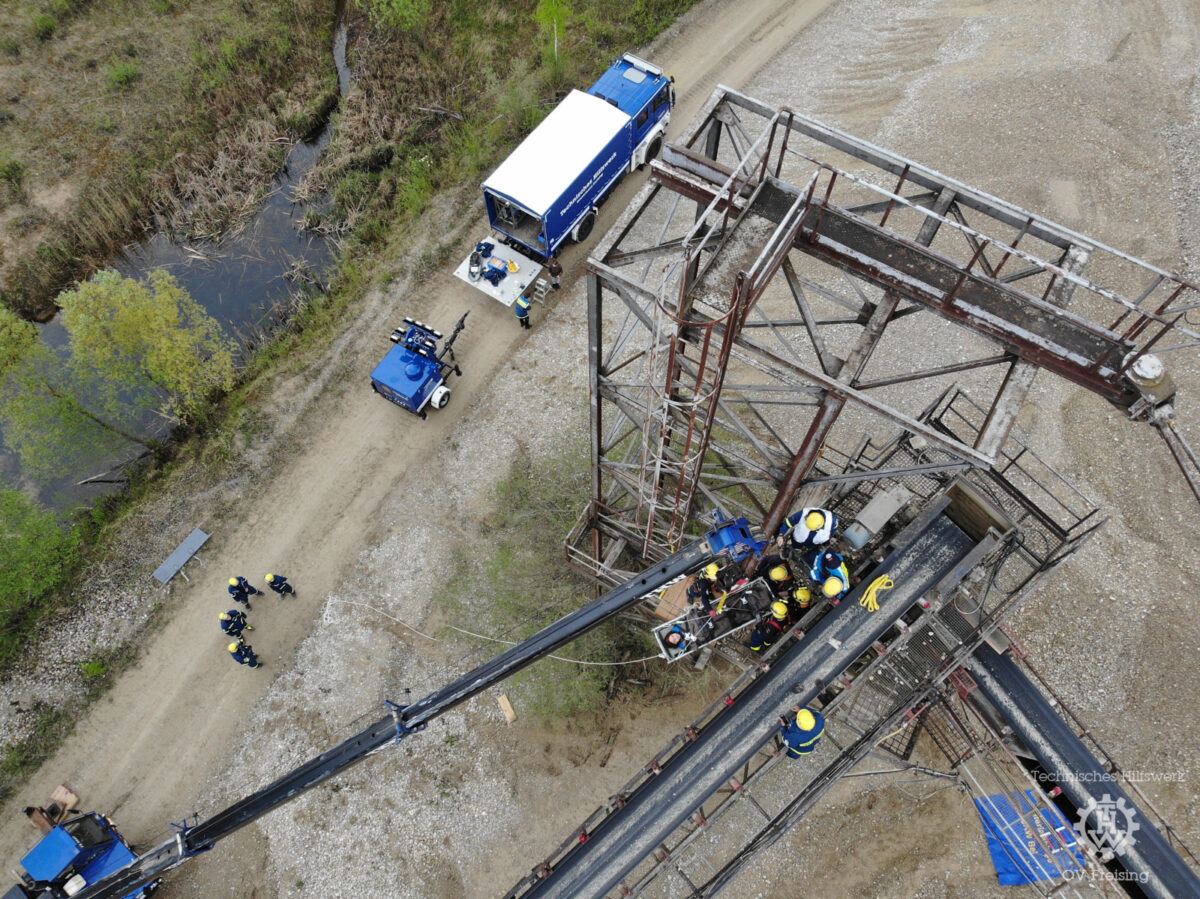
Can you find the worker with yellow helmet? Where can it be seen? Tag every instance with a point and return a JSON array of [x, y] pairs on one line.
[[234, 622], [810, 527], [802, 732], [241, 591], [828, 573], [243, 654], [772, 627], [280, 585]]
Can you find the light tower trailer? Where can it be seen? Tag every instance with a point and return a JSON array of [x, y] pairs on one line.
[[547, 191], [413, 373]]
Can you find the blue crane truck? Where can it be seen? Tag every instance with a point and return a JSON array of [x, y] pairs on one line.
[[80, 851], [547, 191], [413, 374]]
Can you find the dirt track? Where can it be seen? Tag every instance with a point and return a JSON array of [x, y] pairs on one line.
[[172, 726]]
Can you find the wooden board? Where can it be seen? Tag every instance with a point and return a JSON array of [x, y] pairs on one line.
[[672, 601]]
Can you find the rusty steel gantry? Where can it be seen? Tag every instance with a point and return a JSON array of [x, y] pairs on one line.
[[778, 280]]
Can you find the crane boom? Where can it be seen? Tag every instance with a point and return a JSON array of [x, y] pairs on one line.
[[730, 538]]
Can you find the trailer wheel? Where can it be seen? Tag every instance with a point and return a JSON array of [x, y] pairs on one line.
[[440, 397], [584, 228]]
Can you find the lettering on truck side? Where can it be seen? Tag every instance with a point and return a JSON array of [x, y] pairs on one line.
[[591, 182]]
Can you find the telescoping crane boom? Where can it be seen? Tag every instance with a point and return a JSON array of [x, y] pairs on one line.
[[730, 539]]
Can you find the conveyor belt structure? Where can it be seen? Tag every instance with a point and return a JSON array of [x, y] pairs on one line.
[[931, 547]]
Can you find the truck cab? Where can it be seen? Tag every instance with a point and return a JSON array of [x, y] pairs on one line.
[[74, 854], [640, 90]]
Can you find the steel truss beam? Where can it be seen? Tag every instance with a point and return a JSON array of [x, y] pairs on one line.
[[712, 381]]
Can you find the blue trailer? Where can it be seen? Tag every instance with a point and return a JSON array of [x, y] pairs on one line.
[[413, 374], [548, 190], [79, 852]]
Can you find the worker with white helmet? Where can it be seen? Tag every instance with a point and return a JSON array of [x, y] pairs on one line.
[[801, 733]]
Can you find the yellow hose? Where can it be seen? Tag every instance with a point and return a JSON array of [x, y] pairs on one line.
[[870, 599]]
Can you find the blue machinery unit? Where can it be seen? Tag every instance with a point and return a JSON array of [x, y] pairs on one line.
[[413, 373], [80, 851]]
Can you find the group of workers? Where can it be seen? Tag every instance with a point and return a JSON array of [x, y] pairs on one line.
[[803, 543], [234, 622]]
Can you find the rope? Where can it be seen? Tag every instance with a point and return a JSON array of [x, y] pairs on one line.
[[483, 637], [870, 599]]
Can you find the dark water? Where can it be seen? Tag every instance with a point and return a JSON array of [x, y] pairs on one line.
[[237, 280]]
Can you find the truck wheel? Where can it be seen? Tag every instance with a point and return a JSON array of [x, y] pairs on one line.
[[653, 151], [584, 228]]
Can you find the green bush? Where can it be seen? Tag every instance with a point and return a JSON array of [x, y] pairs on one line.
[[12, 172], [37, 559], [10, 46], [43, 26], [123, 74]]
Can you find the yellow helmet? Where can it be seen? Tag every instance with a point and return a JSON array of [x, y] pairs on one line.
[[270, 577], [802, 595], [779, 609], [233, 582], [710, 570], [806, 719], [225, 616], [814, 520], [233, 647], [832, 586], [779, 573]]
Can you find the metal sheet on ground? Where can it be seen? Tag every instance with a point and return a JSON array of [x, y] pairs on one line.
[[514, 283]]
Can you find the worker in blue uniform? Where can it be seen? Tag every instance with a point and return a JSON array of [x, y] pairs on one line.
[[779, 577], [280, 585], [802, 733], [806, 529], [521, 310], [243, 654], [241, 591], [234, 622], [828, 572], [774, 627], [700, 592]]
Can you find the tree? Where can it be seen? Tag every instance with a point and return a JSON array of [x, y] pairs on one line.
[[47, 418], [152, 339], [36, 558], [134, 349]]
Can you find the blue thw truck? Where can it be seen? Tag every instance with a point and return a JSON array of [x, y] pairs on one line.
[[75, 854], [413, 374], [548, 190]]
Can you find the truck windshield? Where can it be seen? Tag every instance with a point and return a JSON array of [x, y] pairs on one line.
[[87, 831]]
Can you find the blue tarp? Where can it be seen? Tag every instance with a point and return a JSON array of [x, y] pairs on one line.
[[1021, 858]]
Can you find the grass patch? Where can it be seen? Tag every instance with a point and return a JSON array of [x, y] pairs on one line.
[[51, 727], [43, 26], [512, 580], [123, 74]]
